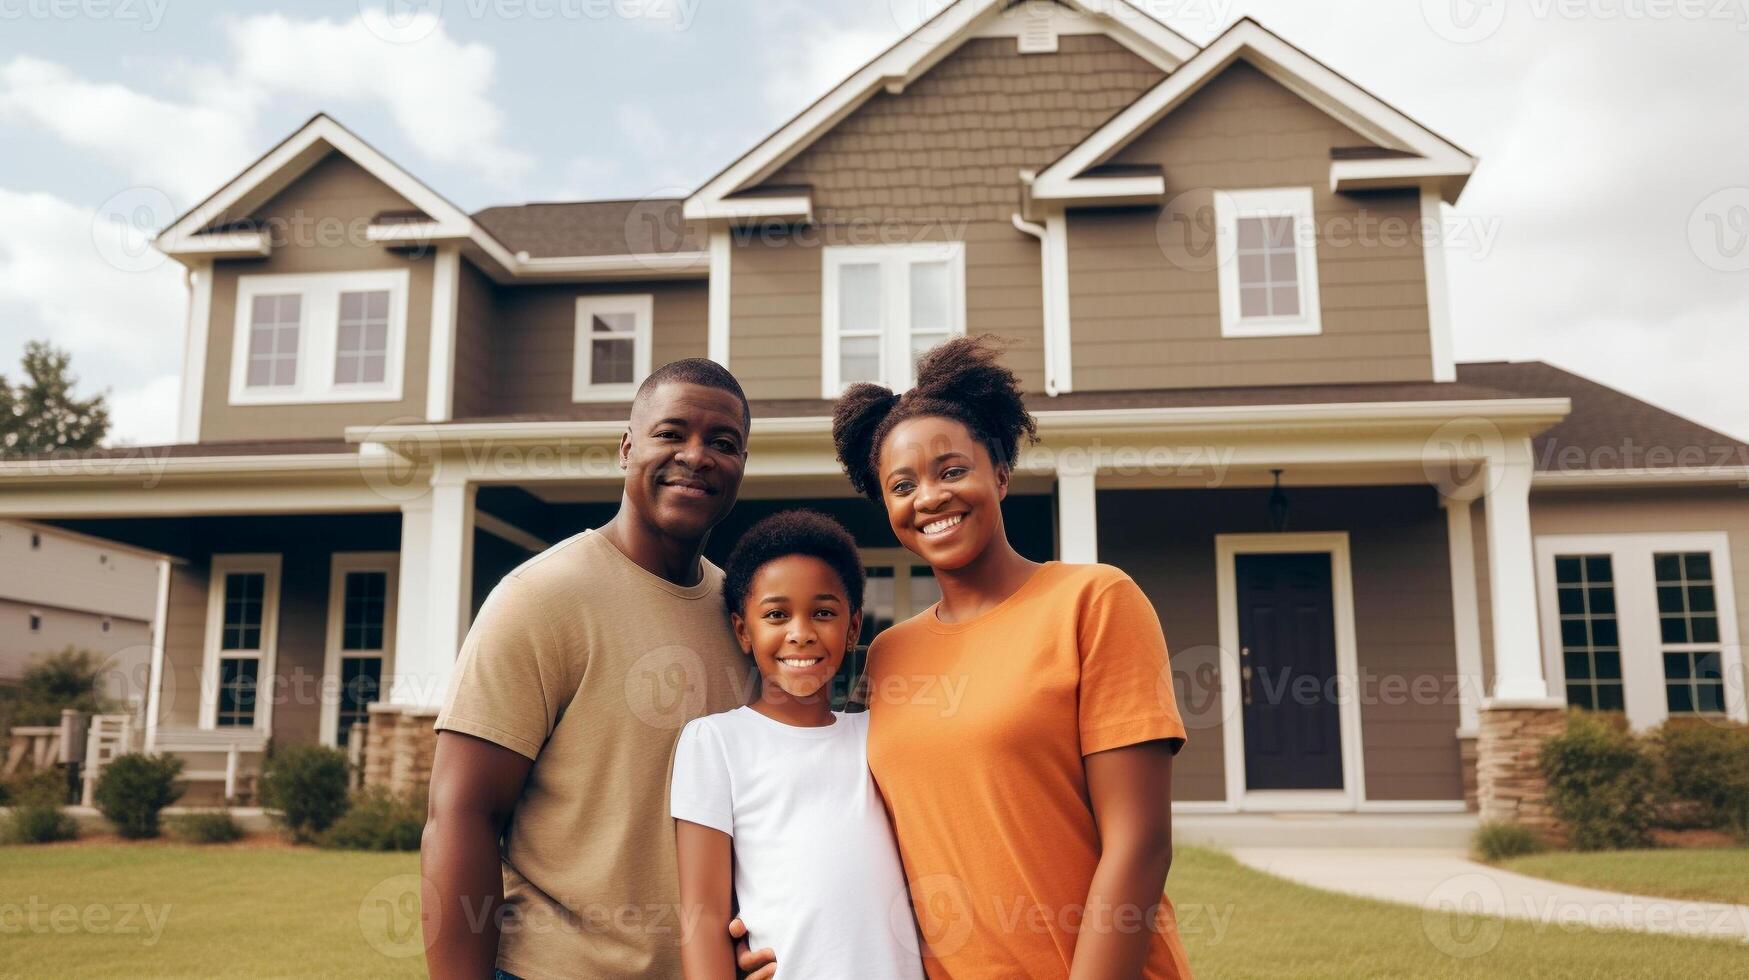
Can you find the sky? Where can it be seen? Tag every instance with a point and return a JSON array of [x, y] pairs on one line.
[[1606, 229]]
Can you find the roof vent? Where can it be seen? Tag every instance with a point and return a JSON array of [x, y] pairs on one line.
[[1038, 31]]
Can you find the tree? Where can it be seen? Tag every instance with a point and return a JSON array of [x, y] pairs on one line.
[[40, 414]]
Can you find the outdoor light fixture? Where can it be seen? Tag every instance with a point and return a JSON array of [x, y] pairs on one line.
[[1277, 505]]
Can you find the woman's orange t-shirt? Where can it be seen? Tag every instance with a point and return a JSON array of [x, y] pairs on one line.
[[977, 732]]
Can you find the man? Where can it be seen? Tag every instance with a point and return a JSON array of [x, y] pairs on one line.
[[569, 694]]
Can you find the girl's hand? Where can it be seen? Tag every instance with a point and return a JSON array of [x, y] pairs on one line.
[[755, 964]]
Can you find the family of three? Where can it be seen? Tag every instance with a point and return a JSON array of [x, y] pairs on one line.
[[639, 772]]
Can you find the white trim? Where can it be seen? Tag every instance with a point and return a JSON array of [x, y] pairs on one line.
[[1518, 663], [1298, 72], [498, 527], [1077, 515], [638, 265], [642, 307], [194, 351], [892, 71], [1412, 806], [341, 563], [268, 565], [228, 245], [1673, 476], [1636, 603], [1335, 543], [318, 334], [1438, 285], [895, 262], [1465, 613], [1284, 202], [1059, 337], [445, 304], [155, 678], [721, 259]]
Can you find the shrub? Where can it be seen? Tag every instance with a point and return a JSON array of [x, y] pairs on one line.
[[68, 679], [37, 823], [47, 786], [1602, 784], [378, 821], [1500, 841], [1707, 764], [134, 788], [306, 785], [207, 827]]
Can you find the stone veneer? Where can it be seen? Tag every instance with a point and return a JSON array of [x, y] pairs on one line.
[[398, 748], [1509, 782]]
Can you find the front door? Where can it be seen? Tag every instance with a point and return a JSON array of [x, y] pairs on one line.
[[1287, 671]]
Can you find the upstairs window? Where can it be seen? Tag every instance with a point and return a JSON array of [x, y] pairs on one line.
[[613, 346], [320, 338], [1268, 250], [884, 307]]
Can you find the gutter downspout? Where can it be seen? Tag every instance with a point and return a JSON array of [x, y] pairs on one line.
[[1046, 273]]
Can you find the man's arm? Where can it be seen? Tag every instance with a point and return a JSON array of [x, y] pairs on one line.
[[1131, 791], [474, 788], [707, 896]]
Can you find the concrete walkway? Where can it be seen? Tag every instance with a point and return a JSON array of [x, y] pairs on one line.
[[1446, 881]]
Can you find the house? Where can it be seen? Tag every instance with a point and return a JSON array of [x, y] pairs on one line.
[[60, 590], [1382, 572]]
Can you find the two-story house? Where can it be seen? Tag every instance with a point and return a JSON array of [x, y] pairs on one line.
[[1220, 272]]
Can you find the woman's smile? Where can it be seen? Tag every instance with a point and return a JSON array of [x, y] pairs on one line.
[[943, 525]]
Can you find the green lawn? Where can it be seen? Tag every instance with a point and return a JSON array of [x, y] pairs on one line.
[[235, 911], [1703, 875]]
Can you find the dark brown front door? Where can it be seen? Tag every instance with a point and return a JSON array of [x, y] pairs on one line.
[[1287, 663]]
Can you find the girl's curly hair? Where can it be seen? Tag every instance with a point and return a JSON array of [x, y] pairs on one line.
[[962, 380]]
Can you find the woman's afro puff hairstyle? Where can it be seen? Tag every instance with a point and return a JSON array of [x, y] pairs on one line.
[[962, 380], [792, 532]]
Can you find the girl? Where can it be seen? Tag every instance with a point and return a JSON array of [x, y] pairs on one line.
[[1033, 813]]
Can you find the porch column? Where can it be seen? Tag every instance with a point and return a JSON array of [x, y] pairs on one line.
[[437, 555], [1466, 613], [1518, 661], [1077, 513]]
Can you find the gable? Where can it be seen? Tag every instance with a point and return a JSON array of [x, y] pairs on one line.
[[335, 187], [952, 144]]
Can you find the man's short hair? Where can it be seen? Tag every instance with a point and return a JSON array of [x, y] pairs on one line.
[[697, 371]]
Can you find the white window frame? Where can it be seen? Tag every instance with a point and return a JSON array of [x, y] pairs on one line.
[[268, 565], [1294, 202], [895, 262], [1636, 604], [319, 337], [340, 564], [642, 306]]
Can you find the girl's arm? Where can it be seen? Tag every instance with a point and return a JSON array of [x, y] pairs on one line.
[[1131, 792], [706, 901]]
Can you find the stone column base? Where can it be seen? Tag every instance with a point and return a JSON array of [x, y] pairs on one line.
[[1467, 766], [1509, 782], [398, 748]]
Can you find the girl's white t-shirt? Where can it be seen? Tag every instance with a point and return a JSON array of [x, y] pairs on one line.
[[817, 872]]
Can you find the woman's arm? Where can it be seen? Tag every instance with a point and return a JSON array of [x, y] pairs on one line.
[[1131, 791], [707, 886]]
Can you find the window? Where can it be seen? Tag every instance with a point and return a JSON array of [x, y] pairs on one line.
[[36, 542], [361, 626], [319, 338], [1590, 644], [1688, 620], [36, 622], [105, 624], [885, 305], [1641, 623], [613, 347], [242, 628], [1268, 250]]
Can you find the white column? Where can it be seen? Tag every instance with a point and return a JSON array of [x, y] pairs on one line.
[[194, 343], [1518, 662], [155, 679], [1466, 613], [717, 329], [1077, 515], [445, 299], [434, 599]]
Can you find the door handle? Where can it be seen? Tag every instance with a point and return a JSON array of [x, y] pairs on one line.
[[1245, 679]]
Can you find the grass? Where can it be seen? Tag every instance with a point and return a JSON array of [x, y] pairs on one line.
[[236, 910], [1709, 875]]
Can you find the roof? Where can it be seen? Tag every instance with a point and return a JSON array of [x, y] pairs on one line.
[[581, 228], [193, 450], [1608, 429]]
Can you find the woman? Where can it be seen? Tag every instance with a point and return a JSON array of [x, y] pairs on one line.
[[1033, 809]]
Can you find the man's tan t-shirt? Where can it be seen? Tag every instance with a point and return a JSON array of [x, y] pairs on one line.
[[590, 665]]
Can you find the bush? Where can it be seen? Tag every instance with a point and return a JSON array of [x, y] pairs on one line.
[[134, 788], [1706, 763], [378, 821], [1500, 841], [1602, 784], [207, 827], [306, 785], [68, 679], [47, 786], [37, 823]]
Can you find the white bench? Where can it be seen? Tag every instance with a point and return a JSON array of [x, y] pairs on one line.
[[234, 744]]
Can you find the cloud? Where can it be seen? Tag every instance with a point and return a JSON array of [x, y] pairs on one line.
[[813, 52], [91, 287]]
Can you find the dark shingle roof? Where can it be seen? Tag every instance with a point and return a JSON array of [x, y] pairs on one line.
[[260, 447], [584, 228]]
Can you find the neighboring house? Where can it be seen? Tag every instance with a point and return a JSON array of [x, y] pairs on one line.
[[389, 402], [60, 590]]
